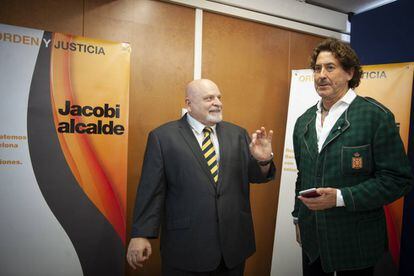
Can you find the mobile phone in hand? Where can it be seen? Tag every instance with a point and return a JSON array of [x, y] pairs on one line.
[[309, 193]]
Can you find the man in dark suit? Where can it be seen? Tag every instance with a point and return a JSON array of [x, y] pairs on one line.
[[349, 148], [195, 185]]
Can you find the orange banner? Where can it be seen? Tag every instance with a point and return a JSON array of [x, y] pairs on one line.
[[91, 118], [391, 85]]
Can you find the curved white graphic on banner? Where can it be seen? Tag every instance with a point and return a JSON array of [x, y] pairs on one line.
[[33, 242]]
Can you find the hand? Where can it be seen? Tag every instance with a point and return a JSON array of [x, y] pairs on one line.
[[326, 200], [139, 250], [261, 145]]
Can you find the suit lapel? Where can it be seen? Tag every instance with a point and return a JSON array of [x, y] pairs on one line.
[[341, 125], [309, 137], [224, 148], [193, 144]]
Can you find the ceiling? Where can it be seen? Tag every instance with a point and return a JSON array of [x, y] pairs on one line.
[[349, 6]]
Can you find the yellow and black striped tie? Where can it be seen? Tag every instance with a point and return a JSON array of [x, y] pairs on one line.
[[209, 153]]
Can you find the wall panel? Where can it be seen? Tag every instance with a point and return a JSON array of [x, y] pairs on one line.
[[301, 46], [249, 63], [161, 37], [50, 15]]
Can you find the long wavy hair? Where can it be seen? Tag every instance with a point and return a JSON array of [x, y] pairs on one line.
[[344, 54]]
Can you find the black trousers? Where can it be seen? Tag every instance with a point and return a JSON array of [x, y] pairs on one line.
[[221, 270], [315, 269]]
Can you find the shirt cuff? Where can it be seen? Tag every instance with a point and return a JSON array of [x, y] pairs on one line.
[[339, 199]]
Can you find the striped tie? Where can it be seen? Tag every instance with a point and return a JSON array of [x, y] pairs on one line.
[[209, 153]]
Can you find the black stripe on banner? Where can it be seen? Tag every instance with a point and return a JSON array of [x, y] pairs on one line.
[[99, 248]]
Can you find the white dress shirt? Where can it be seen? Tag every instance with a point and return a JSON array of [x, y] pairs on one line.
[[322, 131]]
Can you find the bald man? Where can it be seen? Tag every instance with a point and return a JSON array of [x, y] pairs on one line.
[[195, 187]]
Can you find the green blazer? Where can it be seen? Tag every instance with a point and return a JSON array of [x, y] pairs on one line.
[[364, 157]]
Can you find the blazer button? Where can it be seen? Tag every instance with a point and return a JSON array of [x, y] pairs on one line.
[[217, 196]]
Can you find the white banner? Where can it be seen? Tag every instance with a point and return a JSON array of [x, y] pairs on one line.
[[287, 256], [63, 153]]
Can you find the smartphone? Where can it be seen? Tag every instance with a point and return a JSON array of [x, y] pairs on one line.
[[309, 193]]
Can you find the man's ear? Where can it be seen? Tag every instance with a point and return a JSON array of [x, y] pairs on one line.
[[187, 104], [351, 73]]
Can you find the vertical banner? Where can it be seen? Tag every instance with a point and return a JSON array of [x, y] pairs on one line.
[[287, 255], [391, 85], [63, 153]]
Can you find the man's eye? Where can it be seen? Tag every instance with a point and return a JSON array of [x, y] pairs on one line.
[[330, 68], [317, 69]]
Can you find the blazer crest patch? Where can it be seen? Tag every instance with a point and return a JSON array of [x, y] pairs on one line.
[[357, 162]]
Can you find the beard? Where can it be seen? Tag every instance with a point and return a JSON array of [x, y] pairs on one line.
[[215, 118]]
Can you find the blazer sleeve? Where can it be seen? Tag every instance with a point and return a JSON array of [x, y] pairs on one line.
[[392, 177], [296, 149], [149, 202]]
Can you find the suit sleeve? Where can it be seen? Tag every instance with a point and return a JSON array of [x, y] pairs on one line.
[[149, 203], [296, 149], [255, 173], [392, 176]]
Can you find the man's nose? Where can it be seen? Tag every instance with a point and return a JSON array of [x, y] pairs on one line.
[[217, 102], [323, 72]]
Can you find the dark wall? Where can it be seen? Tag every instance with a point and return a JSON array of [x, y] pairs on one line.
[[385, 34]]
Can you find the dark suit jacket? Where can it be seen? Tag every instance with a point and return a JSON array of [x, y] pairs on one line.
[[364, 157], [201, 221]]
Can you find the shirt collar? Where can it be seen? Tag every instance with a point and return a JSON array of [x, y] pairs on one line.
[[349, 96], [197, 126]]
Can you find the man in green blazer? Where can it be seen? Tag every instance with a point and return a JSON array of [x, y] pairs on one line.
[[349, 149]]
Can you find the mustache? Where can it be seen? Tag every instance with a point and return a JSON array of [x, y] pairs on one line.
[[215, 109]]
